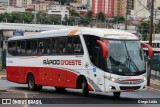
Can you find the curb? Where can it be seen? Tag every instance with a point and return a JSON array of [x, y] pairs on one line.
[[153, 89], [156, 82], [3, 77]]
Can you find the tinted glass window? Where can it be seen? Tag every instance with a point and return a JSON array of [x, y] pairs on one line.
[[77, 46], [34, 47], [21, 47], [58, 46], [44, 46], [12, 48], [28, 47], [74, 45]]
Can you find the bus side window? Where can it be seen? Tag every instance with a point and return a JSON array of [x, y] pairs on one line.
[[21, 47], [54, 43], [77, 45], [28, 47], [69, 45], [34, 47], [41, 47], [47, 46], [12, 48]]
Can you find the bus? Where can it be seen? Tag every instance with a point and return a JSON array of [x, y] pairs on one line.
[[91, 59]]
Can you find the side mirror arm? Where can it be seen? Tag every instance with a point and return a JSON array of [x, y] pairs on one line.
[[104, 48], [150, 50]]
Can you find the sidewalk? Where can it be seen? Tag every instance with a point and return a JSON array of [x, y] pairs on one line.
[[2, 74]]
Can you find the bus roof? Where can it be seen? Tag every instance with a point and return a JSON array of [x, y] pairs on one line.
[[100, 32]]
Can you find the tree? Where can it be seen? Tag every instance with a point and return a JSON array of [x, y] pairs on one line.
[[143, 28], [119, 19], [101, 17]]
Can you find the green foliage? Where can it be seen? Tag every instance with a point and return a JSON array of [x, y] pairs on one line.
[[143, 28], [101, 16], [27, 17], [119, 19]]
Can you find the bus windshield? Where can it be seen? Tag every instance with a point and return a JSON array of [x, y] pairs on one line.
[[125, 58]]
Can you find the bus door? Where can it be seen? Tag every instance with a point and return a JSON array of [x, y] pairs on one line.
[[98, 70]]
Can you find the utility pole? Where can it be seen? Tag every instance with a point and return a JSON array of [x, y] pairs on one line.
[[126, 21], [150, 41]]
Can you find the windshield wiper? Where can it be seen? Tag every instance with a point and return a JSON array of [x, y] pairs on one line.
[[130, 61]]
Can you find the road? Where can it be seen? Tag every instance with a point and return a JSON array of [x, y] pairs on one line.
[[72, 97]]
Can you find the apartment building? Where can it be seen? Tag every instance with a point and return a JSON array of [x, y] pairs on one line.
[[20, 3], [105, 6], [4, 2], [123, 7]]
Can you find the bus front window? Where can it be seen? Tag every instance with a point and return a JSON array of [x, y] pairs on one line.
[[125, 58]]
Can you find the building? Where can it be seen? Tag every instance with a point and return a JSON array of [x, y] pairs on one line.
[[20, 3], [12, 3], [50, 2], [104, 6], [58, 10], [10, 9], [141, 9], [123, 7], [4, 2]]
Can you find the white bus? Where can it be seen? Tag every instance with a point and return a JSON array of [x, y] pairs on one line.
[[91, 59]]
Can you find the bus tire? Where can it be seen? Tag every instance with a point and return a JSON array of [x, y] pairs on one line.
[[31, 84], [85, 90], [116, 94]]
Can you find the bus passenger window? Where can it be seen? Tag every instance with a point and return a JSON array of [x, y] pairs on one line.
[[28, 47], [21, 47], [58, 46], [12, 48], [69, 45], [34, 47], [77, 46], [41, 47], [47, 46]]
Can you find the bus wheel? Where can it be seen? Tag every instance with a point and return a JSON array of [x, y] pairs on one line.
[[85, 90], [116, 94], [31, 84]]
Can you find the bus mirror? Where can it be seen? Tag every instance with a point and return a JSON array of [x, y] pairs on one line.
[[104, 48], [150, 50]]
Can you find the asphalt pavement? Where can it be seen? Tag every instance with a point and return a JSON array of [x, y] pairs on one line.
[[74, 98]]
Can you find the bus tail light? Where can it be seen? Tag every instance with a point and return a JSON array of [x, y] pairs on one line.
[[104, 48], [150, 50]]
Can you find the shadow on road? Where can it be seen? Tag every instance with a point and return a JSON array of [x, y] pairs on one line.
[[70, 96]]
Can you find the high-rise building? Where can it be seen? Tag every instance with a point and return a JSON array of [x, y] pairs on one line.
[[123, 7], [104, 6]]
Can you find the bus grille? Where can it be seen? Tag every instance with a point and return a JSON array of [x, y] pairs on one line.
[[130, 87], [131, 82]]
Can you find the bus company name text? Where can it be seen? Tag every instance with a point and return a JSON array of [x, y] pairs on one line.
[[62, 62]]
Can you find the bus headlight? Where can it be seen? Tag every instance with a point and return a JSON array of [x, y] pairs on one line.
[[145, 79], [113, 79]]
